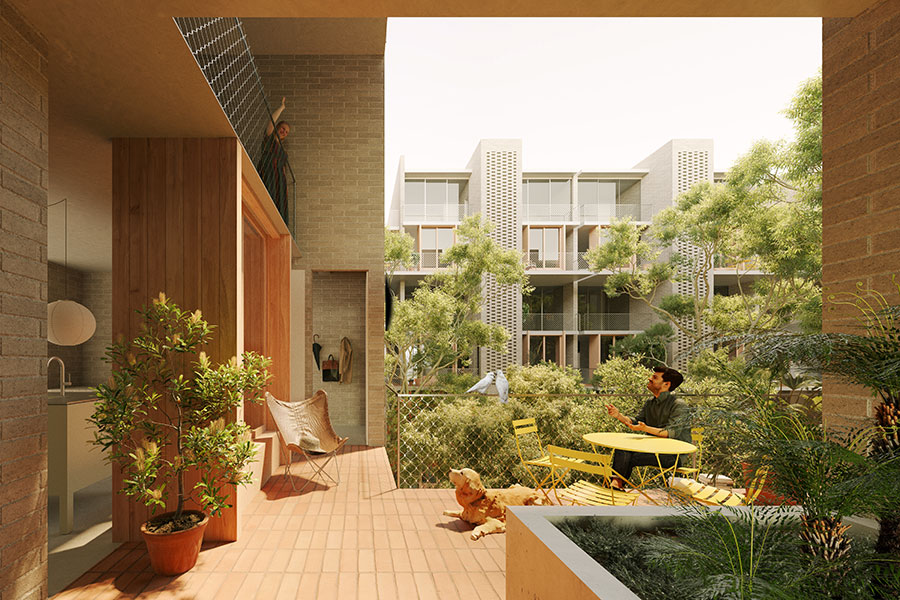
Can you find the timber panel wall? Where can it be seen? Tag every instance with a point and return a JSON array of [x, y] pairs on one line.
[[177, 229], [861, 175], [23, 307]]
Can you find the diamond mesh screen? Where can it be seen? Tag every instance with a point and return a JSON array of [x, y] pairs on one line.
[[220, 48]]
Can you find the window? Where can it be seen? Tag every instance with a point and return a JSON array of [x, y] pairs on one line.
[[543, 247], [602, 199], [435, 199], [543, 349], [548, 198], [434, 242]]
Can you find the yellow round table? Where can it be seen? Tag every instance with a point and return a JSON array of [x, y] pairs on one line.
[[639, 442], [646, 444]]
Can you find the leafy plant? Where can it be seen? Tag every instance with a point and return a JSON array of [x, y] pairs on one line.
[[435, 327], [650, 345], [626, 555], [166, 410], [870, 358]]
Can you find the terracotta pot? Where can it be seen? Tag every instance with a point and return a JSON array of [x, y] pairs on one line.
[[175, 553]]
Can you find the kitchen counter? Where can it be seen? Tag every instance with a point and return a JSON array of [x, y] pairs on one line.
[[73, 395], [73, 461]]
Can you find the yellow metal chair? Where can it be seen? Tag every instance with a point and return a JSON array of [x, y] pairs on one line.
[[697, 457], [694, 491], [584, 492], [527, 434]]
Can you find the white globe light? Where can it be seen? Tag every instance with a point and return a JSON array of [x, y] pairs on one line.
[[69, 323]]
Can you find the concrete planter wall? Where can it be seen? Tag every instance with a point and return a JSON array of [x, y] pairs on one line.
[[543, 564]]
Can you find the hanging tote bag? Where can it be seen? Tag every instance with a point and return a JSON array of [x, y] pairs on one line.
[[330, 371]]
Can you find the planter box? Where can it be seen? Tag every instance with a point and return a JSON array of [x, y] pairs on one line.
[[543, 564]]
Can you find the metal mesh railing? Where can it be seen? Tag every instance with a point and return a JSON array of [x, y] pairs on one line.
[[221, 50], [428, 434]]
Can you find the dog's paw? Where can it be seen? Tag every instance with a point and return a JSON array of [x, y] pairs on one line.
[[452, 513], [476, 534]]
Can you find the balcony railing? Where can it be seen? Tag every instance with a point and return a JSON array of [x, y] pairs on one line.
[[604, 213], [579, 322], [220, 48], [591, 213], [426, 259], [604, 321], [536, 260], [440, 213]]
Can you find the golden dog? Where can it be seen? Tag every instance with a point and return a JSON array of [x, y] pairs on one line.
[[487, 508]]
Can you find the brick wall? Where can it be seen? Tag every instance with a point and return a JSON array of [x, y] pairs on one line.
[[23, 308], [861, 181], [335, 106], [96, 294], [339, 308]]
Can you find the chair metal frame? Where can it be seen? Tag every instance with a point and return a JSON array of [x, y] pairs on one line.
[[697, 457], [583, 492], [523, 427], [310, 457]]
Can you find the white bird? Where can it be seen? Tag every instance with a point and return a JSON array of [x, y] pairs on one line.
[[482, 386], [502, 386]]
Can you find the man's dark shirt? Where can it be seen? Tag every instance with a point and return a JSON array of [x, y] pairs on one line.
[[669, 413]]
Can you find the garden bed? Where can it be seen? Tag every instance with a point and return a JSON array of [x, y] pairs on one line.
[[544, 563]]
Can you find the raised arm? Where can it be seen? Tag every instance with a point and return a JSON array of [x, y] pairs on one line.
[[270, 126]]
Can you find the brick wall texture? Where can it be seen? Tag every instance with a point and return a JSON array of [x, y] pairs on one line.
[[23, 308], [861, 175], [335, 107], [339, 310]]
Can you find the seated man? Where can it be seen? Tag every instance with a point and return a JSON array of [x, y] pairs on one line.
[[663, 415]]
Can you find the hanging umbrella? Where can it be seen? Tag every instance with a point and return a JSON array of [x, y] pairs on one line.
[[317, 348]]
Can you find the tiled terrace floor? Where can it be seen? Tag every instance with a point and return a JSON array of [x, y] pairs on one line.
[[363, 539]]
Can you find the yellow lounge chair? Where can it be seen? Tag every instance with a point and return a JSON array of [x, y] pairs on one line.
[[701, 493], [584, 492]]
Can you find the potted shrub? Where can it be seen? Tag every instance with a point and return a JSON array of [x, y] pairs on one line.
[[166, 410]]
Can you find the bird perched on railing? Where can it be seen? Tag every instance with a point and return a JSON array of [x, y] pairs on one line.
[[502, 386], [483, 384]]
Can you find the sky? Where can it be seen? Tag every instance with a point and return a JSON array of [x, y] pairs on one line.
[[588, 94]]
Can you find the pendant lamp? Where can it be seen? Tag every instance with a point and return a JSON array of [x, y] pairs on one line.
[[68, 322]]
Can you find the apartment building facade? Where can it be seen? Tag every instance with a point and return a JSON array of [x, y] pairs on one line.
[[554, 218]]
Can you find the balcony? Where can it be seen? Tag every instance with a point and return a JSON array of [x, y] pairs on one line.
[[434, 214], [591, 213], [604, 213], [576, 322]]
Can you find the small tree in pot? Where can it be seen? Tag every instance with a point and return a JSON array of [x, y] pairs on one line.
[[163, 412]]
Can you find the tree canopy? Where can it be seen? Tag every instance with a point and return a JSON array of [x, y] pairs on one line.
[[763, 224], [435, 328]]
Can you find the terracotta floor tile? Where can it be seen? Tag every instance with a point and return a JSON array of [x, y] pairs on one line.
[[296, 561], [425, 586], [287, 590], [231, 585], [368, 587], [446, 587], [400, 558], [363, 539], [348, 586], [314, 559], [328, 587], [386, 585], [309, 585], [331, 561], [211, 586], [406, 587]]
